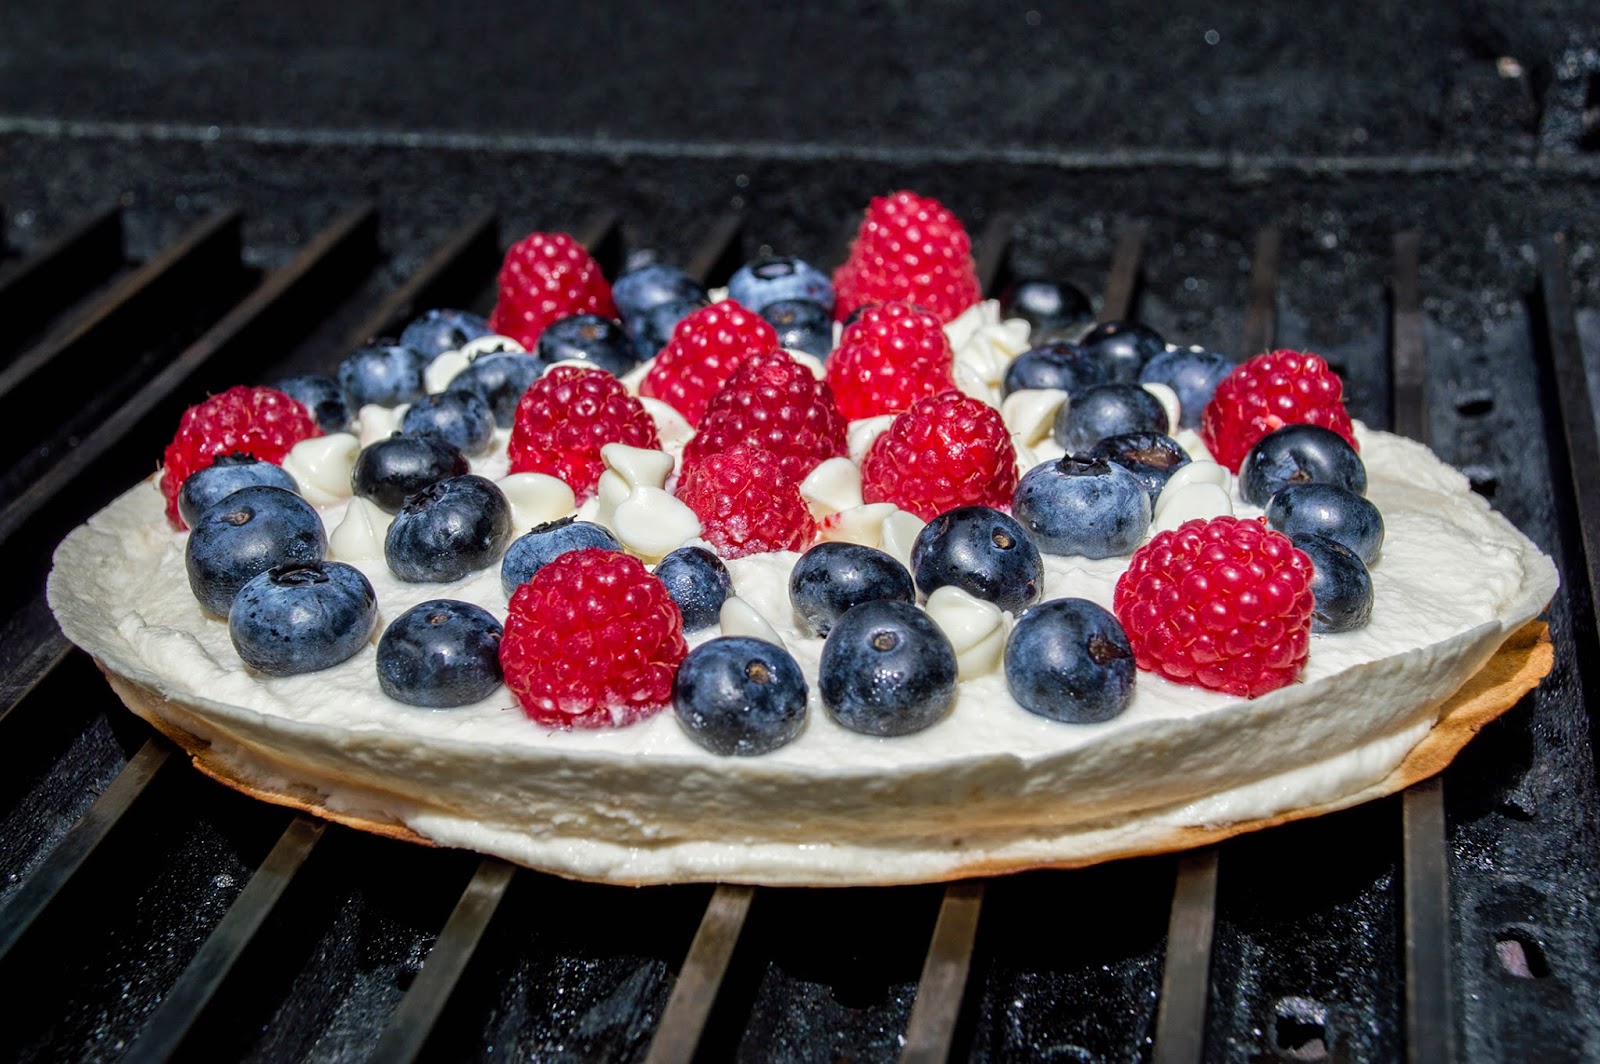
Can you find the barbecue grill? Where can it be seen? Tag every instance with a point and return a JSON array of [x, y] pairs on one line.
[[148, 913]]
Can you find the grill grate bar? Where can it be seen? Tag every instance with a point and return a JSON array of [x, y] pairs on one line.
[[695, 991], [30, 646], [721, 243], [52, 277], [937, 1010], [1261, 317], [1123, 284], [46, 881]]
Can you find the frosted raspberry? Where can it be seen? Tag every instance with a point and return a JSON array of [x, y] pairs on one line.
[[592, 641], [774, 403], [546, 276], [567, 416], [946, 451], [260, 422], [889, 358], [1224, 604], [1266, 393], [912, 248], [746, 504], [705, 349]]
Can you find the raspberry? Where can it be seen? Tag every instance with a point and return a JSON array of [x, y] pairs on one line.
[[889, 358], [592, 641], [1224, 604], [260, 422], [946, 451], [774, 403], [1266, 393], [746, 504], [567, 416], [547, 276], [912, 248], [705, 349]]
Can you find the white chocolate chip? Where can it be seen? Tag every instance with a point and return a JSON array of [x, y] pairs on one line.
[[717, 295], [1198, 471], [377, 423], [862, 433], [611, 492], [1169, 402], [490, 345], [1030, 413], [900, 531], [537, 499], [322, 465], [976, 629], [1190, 501], [972, 377], [673, 428], [443, 369], [738, 617], [859, 524], [359, 537], [834, 485], [640, 467], [651, 524]]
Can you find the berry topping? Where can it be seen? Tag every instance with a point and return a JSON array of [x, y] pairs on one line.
[[1341, 587], [1150, 456], [436, 331], [384, 373], [946, 451], [1122, 347], [1266, 393], [887, 359], [461, 418], [740, 696], [887, 669], [1300, 454], [832, 577], [501, 378], [651, 330], [698, 582], [592, 641], [762, 282], [441, 653], [909, 247], [1052, 309], [226, 474], [260, 422], [567, 416], [801, 326], [448, 530], [1105, 410], [1083, 505], [1069, 660], [1327, 510], [587, 338], [388, 471], [1056, 364], [545, 543], [746, 504], [244, 535], [981, 551], [705, 349], [546, 276], [772, 402], [1223, 604], [641, 290], [303, 617], [1193, 374], [323, 397]]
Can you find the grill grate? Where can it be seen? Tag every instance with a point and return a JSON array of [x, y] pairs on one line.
[[466, 966]]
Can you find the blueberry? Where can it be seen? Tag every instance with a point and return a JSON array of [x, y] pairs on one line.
[[801, 326], [460, 418], [1193, 373], [1080, 505], [438, 331], [982, 551], [499, 378], [1123, 347], [651, 330], [441, 653], [545, 543], [386, 374], [1328, 510], [588, 338], [226, 474], [698, 582], [887, 669], [387, 471], [740, 696], [639, 291], [1341, 587], [1056, 364], [767, 280], [831, 577], [323, 397], [245, 534], [1150, 456], [1300, 454], [447, 530], [301, 618], [1105, 410], [1068, 659], [1051, 308]]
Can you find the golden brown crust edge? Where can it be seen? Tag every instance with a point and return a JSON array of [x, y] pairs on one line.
[[1524, 659]]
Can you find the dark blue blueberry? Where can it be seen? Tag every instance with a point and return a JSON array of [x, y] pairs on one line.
[[448, 530], [1299, 454], [831, 577], [323, 397], [599, 342], [887, 669], [1331, 511], [440, 654], [1150, 456], [1341, 587], [303, 618], [982, 551], [1069, 660], [387, 471], [651, 330], [500, 378], [1051, 308], [1091, 415], [386, 374], [639, 291], [762, 282], [1123, 347], [245, 534], [438, 331], [1056, 364], [458, 417], [801, 326], [535, 549], [1081, 505], [1193, 373], [226, 474], [738, 696], [698, 582]]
